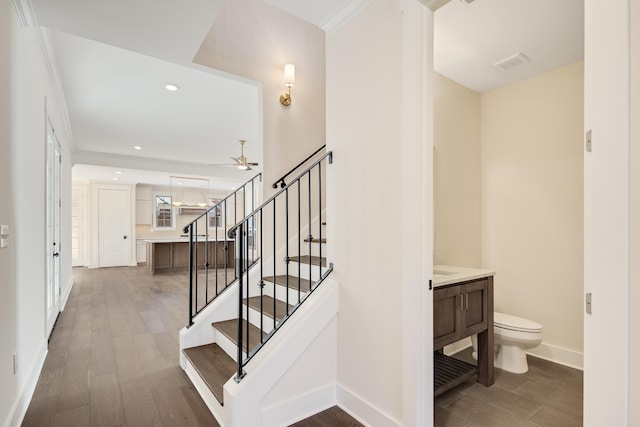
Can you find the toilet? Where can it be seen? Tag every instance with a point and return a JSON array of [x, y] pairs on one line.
[[511, 337]]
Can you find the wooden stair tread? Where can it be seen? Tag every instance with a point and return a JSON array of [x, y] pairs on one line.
[[267, 306], [305, 285], [214, 366], [230, 329], [313, 260], [314, 240]]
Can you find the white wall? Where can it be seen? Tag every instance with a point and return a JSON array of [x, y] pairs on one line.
[[8, 382], [456, 118], [254, 40], [532, 204], [30, 84], [379, 209]]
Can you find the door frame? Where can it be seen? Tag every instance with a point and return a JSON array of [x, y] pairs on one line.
[[53, 231], [95, 224]]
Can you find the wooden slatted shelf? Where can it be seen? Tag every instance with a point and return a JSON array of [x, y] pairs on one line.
[[450, 372]]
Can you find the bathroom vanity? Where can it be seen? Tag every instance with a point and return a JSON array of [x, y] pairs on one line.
[[462, 306]]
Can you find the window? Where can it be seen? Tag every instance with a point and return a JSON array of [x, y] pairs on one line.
[[215, 216], [164, 214]]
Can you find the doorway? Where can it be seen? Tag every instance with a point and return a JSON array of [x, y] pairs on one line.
[[114, 227], [53, 248]]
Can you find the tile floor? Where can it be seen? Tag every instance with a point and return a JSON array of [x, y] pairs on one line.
[[549, 395]]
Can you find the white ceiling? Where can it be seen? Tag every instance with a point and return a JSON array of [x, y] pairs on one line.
[[114, 58], [470, 38]]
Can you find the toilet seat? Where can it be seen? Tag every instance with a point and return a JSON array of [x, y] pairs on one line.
[[514, 323]]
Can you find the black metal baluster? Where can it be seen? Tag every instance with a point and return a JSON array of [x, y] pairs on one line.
[[206, 259], [299, 244], [240, 373], [195, 264], [286, 246], [274, 262], [310, 237], [261, 274], [320, 218], [190, 275]]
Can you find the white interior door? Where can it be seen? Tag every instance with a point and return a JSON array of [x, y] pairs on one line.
[[53, 231], [114, 227], [77, 228]]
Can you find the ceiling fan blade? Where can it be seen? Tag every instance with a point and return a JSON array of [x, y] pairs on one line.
[[252, 164]]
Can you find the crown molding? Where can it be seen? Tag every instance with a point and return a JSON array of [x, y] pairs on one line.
[[48, 51], [25, 13], [349, 11], [27, 17], [434, 4]]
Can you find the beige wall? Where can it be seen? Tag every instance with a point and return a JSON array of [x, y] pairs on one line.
[[254, 40], [634, 289], [456, 118], [532, 201]]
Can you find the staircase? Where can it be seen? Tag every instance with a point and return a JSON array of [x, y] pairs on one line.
[[246, 373]]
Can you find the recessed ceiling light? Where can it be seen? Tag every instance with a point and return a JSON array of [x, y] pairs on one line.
[[171, 87], [114, 178], [118, 172], [137, 147]]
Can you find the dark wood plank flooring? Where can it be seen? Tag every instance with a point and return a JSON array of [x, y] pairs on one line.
[[214, 366], [267, 306], [334, 417], [305, 285], [230, 329], [113, 356]]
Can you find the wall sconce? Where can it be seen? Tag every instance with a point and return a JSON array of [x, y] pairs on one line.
[[289, 80]]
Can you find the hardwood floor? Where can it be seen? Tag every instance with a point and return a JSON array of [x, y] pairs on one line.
[[113, 356], [334, 417]]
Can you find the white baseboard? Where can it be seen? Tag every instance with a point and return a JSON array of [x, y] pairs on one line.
[[300, 407], [367, 414], [20, 406], [563, 356], [65, 295], [457, 346]]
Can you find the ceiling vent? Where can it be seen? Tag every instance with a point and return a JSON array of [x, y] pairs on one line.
[[512, 61]]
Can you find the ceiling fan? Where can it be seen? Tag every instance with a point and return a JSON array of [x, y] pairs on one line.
[[240, 161]]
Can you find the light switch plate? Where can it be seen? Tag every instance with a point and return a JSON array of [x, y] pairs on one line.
[[4, 236]]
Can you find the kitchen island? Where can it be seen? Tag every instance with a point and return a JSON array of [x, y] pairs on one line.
[[462, 306], [172, 254]]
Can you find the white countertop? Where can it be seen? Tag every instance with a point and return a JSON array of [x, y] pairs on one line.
[[201, 239], [448, 274]]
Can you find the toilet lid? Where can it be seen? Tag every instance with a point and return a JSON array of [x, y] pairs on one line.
[[514, 323]]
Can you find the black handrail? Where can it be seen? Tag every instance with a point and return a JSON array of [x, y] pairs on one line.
[[281, 180], [216, 248], [247, 227]]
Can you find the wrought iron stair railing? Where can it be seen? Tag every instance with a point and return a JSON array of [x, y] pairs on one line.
[[211, 253], [275, 231]]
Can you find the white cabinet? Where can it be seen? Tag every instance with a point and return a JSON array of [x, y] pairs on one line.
[[143, 212], [141, 251], [143, 205]]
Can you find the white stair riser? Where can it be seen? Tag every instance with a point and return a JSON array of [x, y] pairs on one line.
[[227, 345], [281, 293], [304, 270], [254, 319]]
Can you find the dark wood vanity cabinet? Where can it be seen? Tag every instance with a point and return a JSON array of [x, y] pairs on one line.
[[461, 310]]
